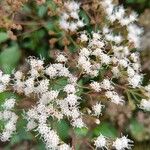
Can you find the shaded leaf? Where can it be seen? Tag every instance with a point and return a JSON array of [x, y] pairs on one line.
[[137, 129], [3, 37], [62, 128], [9, 58], [106, 129], [81, 132]]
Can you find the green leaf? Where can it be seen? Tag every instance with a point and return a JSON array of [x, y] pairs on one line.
[[59, 84], [106, 129], [137, 130], [21, 134], [62, 128], [42, 11], [80, 90], [51, 4], [9, 58], [130, 1], [85, 17], [40, 146], [3, 37], [6, 95], [81, 132]]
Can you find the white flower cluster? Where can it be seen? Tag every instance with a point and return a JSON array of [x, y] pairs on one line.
[[37, 82], [37, 120], [122, 62], [119, 144], [109, 93], [95, 48], [70, 19], [118, 13], [8, 116], [145, 103], [122, 143], [61, 58], [95, 55], [4, 81], [101, 50], [97, 109]]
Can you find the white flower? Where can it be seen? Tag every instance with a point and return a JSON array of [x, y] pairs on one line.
[[96, 36], [7, 114], [64, 147], [10, 126], [117, 39], [84, 38], [9, 104], [5, 136], [95, 86], [122, 143], [36, 63], [18, 75], [147, 88], [120, 13], [106, 84], [97, 108], [10, 119], [123, 63], [2, 88], [51, 71], [115, 71], [74, 15], [100, 142], [31, 125], [133, 16], [114, 97], [135, 81], [29, 86], [32, 113], [65, 16], [78, 123], [105, 59], [73, 27], [61, 58], [43, 86], [84, 52], [5, 79], [72, 99], [145, 104], [69, 88], [130, 71], [34, 73], [136, 66], [49, 96], [70, 17], [80, 23], [64, 24], [72, 6], [75, 113]]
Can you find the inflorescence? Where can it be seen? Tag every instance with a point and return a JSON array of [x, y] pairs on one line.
[[105, 48]]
